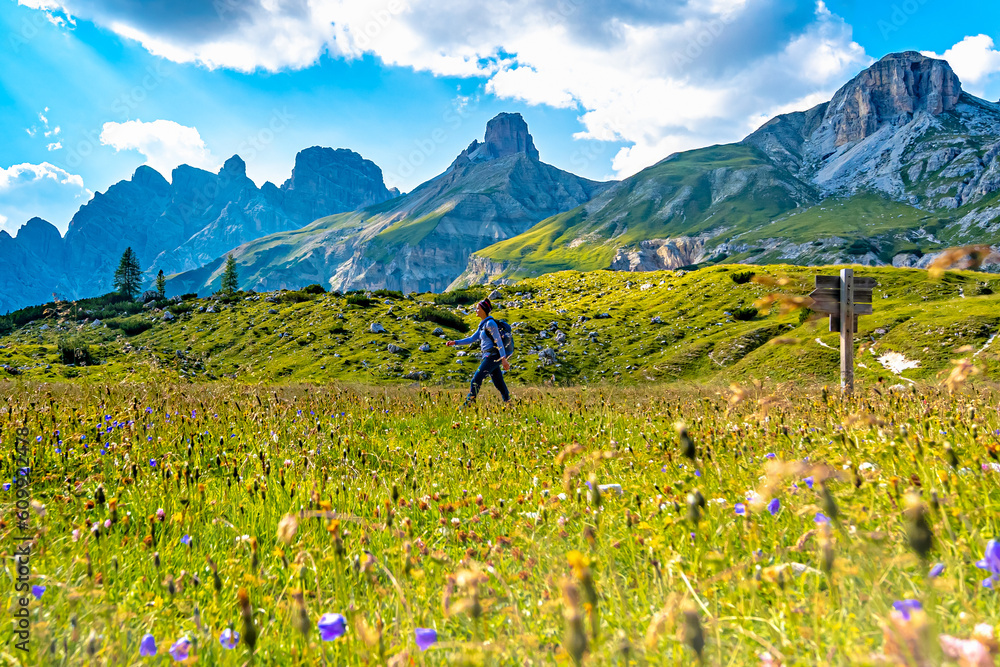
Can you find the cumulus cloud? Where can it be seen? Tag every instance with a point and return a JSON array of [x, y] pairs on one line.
[[43, 190], [975, 61], [660, 76], [164, 143]]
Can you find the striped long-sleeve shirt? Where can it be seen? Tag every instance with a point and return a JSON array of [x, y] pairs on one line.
[[488, 335]]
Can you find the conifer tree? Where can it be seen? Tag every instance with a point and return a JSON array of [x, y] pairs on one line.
[[161, 284], [230, 278], [128, 275]]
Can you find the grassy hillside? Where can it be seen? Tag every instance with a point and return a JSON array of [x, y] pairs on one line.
[[294, 336]]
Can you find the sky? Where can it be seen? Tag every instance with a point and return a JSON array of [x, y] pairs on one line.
[[92, 89]]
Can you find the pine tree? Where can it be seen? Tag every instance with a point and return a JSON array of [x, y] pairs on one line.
[[128, 275], [230, 278], [161, 284]]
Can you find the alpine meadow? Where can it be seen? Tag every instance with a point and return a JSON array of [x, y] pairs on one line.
[[704, 369]]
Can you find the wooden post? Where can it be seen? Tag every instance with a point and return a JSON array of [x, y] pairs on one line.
[[847, 330]]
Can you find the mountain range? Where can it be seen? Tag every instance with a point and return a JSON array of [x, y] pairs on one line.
[[899, 164]]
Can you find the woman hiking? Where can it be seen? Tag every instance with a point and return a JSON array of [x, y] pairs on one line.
[[494, 354]]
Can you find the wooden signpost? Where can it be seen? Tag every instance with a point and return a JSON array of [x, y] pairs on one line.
[[843, 298]]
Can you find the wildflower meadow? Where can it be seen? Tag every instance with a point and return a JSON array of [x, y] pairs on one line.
[[298, 525]]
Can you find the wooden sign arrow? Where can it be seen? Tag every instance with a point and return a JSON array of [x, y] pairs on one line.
[[843, 298]]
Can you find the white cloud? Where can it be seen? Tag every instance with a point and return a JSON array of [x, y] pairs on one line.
[[660, 76], [164, 143], [54, 146], [974, 60], [43, 190]]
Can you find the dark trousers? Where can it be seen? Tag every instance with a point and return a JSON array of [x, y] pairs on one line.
[[490, 366]]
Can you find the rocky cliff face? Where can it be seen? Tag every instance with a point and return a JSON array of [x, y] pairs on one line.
[[179, 225], [494, 190], [660, 255]]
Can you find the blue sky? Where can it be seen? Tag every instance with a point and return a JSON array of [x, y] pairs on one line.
[[91, 89]]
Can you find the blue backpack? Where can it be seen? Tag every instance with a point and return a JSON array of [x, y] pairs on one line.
[[506, 335]]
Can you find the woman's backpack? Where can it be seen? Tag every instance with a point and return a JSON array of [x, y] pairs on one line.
[[506, 336]]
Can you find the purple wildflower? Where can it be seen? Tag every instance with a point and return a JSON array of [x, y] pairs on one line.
[[809, 482], [822, 518], [331, 626], [38, 591], [774, 506], [180, 649], [426, 637], [186, 540], [936, 571], [740, 508], [147, 648], [229, 638], [907, 607], [991, 563]]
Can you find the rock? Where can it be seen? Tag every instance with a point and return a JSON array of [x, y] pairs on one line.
[[494, 295], [272, 311], [417, 375], [210, 309], [547, 356], [149, 295], [175, 299], [375, 327], [461, 353], [602, 316], [201, 309], [395, 349], [149, 305], [543, 334], [167, 316], [44, 327], [656, 320], [336, 355], [438, 332], [424, 348], [95, 323], [659, 255], [582, 318], [560, 337]]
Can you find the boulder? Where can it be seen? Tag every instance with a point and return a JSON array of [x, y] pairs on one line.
[[425, 348], [560, 337], [395, 349], [95, 323], [149, 295], [167, 316], [656, 320], [495, 294], [547, 356], [210, 309], [375, 327], [272, 311], [438, 332], [417, 375]]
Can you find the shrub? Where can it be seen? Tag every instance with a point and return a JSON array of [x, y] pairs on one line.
[[444, 318], [133, 326], [75, 351], [296, 296], [181, 308], [387, 294], [744, 314], [742, 277], [461, 297], [984, 289], [358, 299], [315, 288], [189, 296]]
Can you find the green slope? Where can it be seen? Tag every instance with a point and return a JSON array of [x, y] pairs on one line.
[[324, 338]]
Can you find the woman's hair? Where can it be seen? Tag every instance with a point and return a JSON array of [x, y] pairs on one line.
[[486, 305]]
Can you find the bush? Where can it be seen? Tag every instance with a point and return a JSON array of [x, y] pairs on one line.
[[982, 290], [444, 318], [132, 326], [461, 297], [75, 351], [358, 299], [181, 308], [387, 294], [296, 296], [742, 277], [189, 296], [315, 288], [744, 314]]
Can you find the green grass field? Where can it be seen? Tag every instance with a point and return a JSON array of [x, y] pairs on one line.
[[778, 520]]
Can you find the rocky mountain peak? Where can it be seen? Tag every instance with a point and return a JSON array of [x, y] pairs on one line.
[[506, 134], [148, 177], [890, 92], [234, 167]]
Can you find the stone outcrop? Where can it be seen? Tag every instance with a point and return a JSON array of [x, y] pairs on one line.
[[660, 254], [890, 92]]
